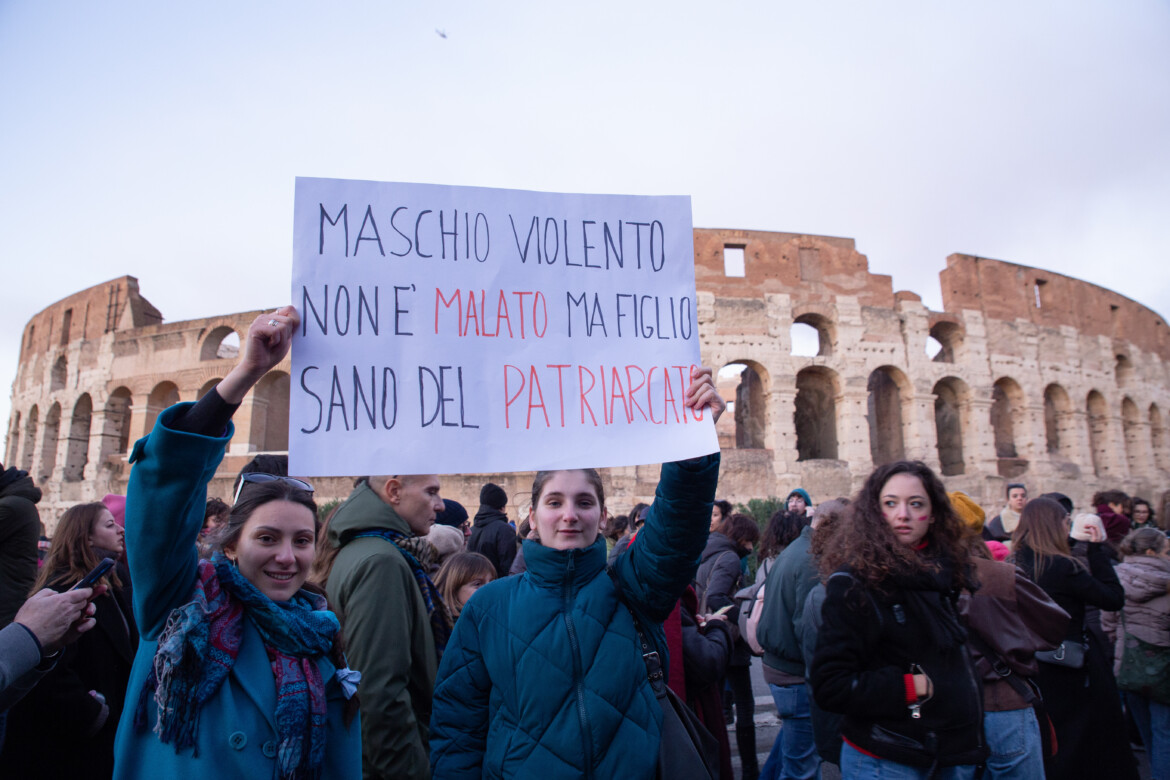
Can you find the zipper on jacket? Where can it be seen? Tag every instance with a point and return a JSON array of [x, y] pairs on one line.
[[578, 674]]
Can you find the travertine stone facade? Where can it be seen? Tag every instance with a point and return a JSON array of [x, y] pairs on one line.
[[1038, 378]]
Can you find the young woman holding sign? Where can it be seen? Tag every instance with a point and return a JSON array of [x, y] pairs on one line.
[[239, 671], [544, 675]]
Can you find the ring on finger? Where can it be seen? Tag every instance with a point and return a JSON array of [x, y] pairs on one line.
[[272, 323]]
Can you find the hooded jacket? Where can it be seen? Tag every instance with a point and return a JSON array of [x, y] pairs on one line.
[[1146, 579], [388, 637], [792, 577], [492, 537], [544, 677], [19, 530]]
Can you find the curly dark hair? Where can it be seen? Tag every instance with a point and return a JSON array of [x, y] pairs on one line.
[[781, 531], [869, 549]]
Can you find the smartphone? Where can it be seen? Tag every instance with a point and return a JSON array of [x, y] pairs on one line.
[[99, 571]]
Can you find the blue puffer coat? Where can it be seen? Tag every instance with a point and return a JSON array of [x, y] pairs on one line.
[[543, 676]]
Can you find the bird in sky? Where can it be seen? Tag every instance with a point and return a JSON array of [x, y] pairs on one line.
[[441, 33]]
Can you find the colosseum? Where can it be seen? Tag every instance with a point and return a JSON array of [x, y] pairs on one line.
[[1025, 375]]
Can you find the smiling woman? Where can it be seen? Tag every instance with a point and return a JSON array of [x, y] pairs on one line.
[[544, 674], [239, 670]]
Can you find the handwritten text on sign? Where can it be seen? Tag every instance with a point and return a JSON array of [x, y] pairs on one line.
[[460, 329]]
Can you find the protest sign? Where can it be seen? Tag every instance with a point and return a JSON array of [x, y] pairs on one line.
[[462, 329]]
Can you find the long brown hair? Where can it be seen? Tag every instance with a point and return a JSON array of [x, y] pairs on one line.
[[1042, 529], [457, 571], [71, 555], [867, 546]]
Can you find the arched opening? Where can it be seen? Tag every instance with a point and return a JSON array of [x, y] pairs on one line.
[[59, 374], [116, 428], [1123, 371], [806, 341], [164, 395], [886, 439], [816, 414], [1007, 417], [1131, 426], [222, 343], [50, 435], [30, 439], [270, 413], [1098, 432], [1059, 434], [1157, 437], [77, 450], [948, 336], [207, 387], [744, 426], [13, 440], [950, 395], [808, 326]]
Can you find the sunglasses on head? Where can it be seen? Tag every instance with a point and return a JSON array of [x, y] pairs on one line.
[[257, 478]]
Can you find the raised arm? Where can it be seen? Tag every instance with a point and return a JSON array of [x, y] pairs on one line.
[[662, 560], [172, 465]]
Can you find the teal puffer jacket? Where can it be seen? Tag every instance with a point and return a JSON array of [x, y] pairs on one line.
[[543, 676]]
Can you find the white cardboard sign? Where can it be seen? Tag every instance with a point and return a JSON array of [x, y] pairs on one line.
[[464, 329]]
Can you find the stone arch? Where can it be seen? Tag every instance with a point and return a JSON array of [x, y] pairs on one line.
[[1098, 416], [221, 343], [77, 450], [50, 435], [815, 415], [13, 440], [951, 395], [207, 386], [1007, 421], [889, 390], [1059, 418], [269, 430], [1157, 437], [746, 426], [1123, 371], [949, 336], [164, 394], [59, 374], [1131, 426], [825, 331], [30, 438], [116, 427]]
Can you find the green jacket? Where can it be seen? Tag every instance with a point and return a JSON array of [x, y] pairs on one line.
[[791, 578], [388, 638]]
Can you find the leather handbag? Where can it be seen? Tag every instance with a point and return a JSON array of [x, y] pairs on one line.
[[688, 751], [1068, 654], [1145, 668]]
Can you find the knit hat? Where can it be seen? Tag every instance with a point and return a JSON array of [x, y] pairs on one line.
[[999, 550], [493, 495], [802, 493], [446, 540], [968, 511], [453, 514], [117, 506]]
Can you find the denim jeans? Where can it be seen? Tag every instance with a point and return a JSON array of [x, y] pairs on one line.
[[794, 753], [1013, 736], [1153, 721], [855, 765]]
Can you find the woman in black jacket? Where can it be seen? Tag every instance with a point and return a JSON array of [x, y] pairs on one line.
[[1082, 702], [65, 726], [890, 654]]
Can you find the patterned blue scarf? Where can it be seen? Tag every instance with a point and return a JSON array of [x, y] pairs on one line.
[[198, 648], [440, 621]]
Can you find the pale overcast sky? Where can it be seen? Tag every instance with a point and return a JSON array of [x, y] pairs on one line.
[[161, 140]]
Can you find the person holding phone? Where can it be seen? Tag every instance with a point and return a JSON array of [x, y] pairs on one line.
[[240, 671], [1081, 700], [79, 701]]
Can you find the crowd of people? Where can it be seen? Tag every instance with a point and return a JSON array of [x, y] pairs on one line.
[[901, 633]]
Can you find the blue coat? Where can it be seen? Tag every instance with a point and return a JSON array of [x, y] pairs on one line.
[[236, 736], [544, 677]]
